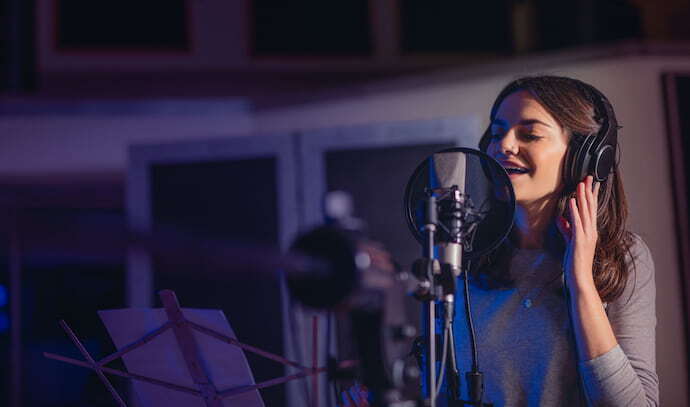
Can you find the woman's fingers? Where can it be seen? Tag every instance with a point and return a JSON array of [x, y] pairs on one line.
[[586, 189], [595, 194], [583, 202], [575, 222], [587, 203], [592, 189]]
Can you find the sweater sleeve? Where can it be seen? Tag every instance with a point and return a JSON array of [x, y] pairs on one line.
[[626, 375]]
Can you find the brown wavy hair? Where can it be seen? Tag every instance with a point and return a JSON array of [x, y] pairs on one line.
[[570, 102]]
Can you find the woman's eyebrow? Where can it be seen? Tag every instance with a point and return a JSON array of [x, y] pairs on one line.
[[523, 122]]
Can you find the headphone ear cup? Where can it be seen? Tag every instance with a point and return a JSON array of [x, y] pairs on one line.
[[605, 160], [585, 158], [600, 153]]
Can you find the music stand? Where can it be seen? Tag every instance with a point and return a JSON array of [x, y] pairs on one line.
[[206, 375]]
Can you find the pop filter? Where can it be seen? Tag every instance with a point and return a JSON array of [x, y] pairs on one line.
[[488, 200]]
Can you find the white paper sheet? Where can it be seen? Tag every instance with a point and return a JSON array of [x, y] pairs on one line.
[[162, 358]]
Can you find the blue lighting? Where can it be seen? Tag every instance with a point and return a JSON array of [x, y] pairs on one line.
[[4, 322], [3, 295]]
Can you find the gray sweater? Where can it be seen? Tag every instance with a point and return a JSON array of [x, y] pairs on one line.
[[525, 343]]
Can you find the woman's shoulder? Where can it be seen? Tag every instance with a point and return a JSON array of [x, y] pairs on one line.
[[639, 255], [640, 282]]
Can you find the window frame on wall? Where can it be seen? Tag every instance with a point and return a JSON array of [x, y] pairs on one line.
[[206, 22], [271, 45], [185, 47], [314, 145], [143, 157]]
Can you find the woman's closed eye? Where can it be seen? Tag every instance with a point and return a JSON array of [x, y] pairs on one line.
[[524, 136], [530, 137]]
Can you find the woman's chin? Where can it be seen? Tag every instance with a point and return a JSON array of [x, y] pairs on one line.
[[533, 201], [522, 201]]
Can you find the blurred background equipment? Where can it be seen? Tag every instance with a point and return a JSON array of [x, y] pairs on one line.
[[363, 292]]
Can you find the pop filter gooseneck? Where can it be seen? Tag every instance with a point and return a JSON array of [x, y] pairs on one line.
[[460, 205]]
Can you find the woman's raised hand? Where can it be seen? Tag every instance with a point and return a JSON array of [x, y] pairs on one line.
[[581, 235]]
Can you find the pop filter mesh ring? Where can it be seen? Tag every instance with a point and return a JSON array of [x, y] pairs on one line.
[[492, 170]]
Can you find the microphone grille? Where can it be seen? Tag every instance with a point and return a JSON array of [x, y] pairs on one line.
[[447, 169]]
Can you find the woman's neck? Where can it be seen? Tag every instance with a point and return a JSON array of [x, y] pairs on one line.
[[531, 222]]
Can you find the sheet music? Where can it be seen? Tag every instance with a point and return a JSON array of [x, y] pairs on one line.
[[225, 364]]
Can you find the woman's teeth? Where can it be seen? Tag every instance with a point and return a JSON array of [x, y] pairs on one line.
[[514, 170]]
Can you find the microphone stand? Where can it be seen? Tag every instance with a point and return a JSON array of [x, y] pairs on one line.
[[430, 300], [438, 281]]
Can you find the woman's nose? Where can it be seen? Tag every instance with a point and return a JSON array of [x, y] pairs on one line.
[[508, 144]]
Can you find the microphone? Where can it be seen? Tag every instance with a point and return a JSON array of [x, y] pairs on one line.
[[447, 173]]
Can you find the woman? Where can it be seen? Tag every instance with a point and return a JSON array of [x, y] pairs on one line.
[[564, 309]]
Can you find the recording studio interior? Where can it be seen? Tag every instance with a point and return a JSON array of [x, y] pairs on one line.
[[227, 203]]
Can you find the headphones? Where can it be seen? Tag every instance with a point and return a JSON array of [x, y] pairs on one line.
[[589, 154]]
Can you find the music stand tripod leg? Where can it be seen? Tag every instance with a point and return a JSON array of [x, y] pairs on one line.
[[190, 350], [95, 366]]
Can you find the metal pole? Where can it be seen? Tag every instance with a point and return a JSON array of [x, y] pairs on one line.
[[430, 228], [431, 352]]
